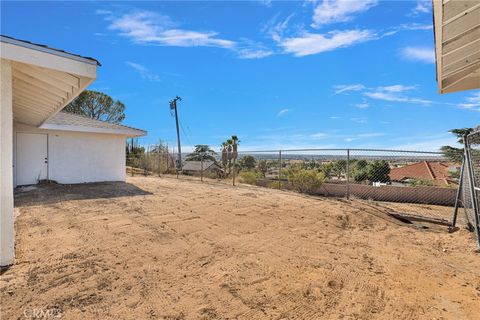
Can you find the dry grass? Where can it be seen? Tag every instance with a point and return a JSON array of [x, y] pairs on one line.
[[161, 248]]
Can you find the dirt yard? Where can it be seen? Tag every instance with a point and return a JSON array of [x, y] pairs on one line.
[[161, 248]]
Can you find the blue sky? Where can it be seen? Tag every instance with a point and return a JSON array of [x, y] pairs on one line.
[[278, 74]]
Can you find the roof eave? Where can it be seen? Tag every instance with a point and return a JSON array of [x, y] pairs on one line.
[[46, 49], [128, 132]]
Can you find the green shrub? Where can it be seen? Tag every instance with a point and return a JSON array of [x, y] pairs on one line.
[[306, 181], [421, 183], [249, 177], [277, 184]]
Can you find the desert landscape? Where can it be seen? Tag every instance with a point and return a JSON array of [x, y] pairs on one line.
[[162, 248]]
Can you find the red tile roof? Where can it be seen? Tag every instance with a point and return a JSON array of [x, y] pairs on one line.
[[425, 170]]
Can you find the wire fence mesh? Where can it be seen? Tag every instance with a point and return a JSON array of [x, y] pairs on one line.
[[470, 187], [155, 159], [413, 184]]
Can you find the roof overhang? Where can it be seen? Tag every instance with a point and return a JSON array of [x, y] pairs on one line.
[[65, 121], [45, 80], [457, 44], [123, 131]]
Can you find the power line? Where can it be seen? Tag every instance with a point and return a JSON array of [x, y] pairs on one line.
[[184, 132]]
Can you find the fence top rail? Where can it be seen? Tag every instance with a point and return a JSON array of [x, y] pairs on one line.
[[342, 149], [476, 131]]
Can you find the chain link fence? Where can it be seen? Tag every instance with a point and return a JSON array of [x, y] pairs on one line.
[[411, 185], [468, 194], [150, 160]]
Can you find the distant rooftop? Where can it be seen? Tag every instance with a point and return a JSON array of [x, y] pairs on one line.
[[197, 165], [425, 170]]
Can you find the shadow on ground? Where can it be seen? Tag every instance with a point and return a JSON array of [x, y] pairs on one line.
[[53, 193]]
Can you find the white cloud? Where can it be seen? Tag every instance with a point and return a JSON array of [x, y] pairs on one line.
[[318, 136], [333, 11], [392, 93], [312, 43], [143, 71], [396, 88], [406, 27], [296, 40], [266, 3], [248, 49], [283, 112], [422, 54], [362, 105], [475, 98], [146, 27], [276, 29], [103, 12], [361, 120], [151, 28], [422, 6], [393, 97], [342, 88], [334, 117], [415, 26], [364, 136], [430, 144], [472, 102], [254, 53]]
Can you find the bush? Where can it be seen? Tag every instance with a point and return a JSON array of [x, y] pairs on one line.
[[421, 183], [306, 181], [378, 171], [360, 175], [249, 177], [277, 184]]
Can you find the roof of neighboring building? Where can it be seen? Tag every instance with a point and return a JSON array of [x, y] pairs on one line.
[[197, 165], [45, 48], [74, 122], [425, 170]]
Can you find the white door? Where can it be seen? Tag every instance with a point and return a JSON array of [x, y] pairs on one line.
[[32, 157]]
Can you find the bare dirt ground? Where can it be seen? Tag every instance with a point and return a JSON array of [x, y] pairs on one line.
[[161, 248]]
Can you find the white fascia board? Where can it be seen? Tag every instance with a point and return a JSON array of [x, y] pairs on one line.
[[120, 131], [66, 63], [438, 32]]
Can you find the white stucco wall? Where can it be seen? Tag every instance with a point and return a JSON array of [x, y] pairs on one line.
[[78, 157], [7, 232]]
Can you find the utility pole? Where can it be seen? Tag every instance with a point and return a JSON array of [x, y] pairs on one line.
[[173, 106]]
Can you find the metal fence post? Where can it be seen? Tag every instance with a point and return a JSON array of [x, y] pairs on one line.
[[473, 191], [459, 194], [347, 173], [159, 161], [279, 169], [234, 161]]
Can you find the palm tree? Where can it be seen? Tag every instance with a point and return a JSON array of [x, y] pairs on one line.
[[224, 146], [229, 152], [235, 144]]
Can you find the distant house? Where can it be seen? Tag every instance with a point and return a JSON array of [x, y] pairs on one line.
[[195, 167], [438, 173]]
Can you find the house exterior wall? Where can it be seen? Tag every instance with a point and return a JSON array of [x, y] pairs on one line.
[[78, 157], [7, 233]]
